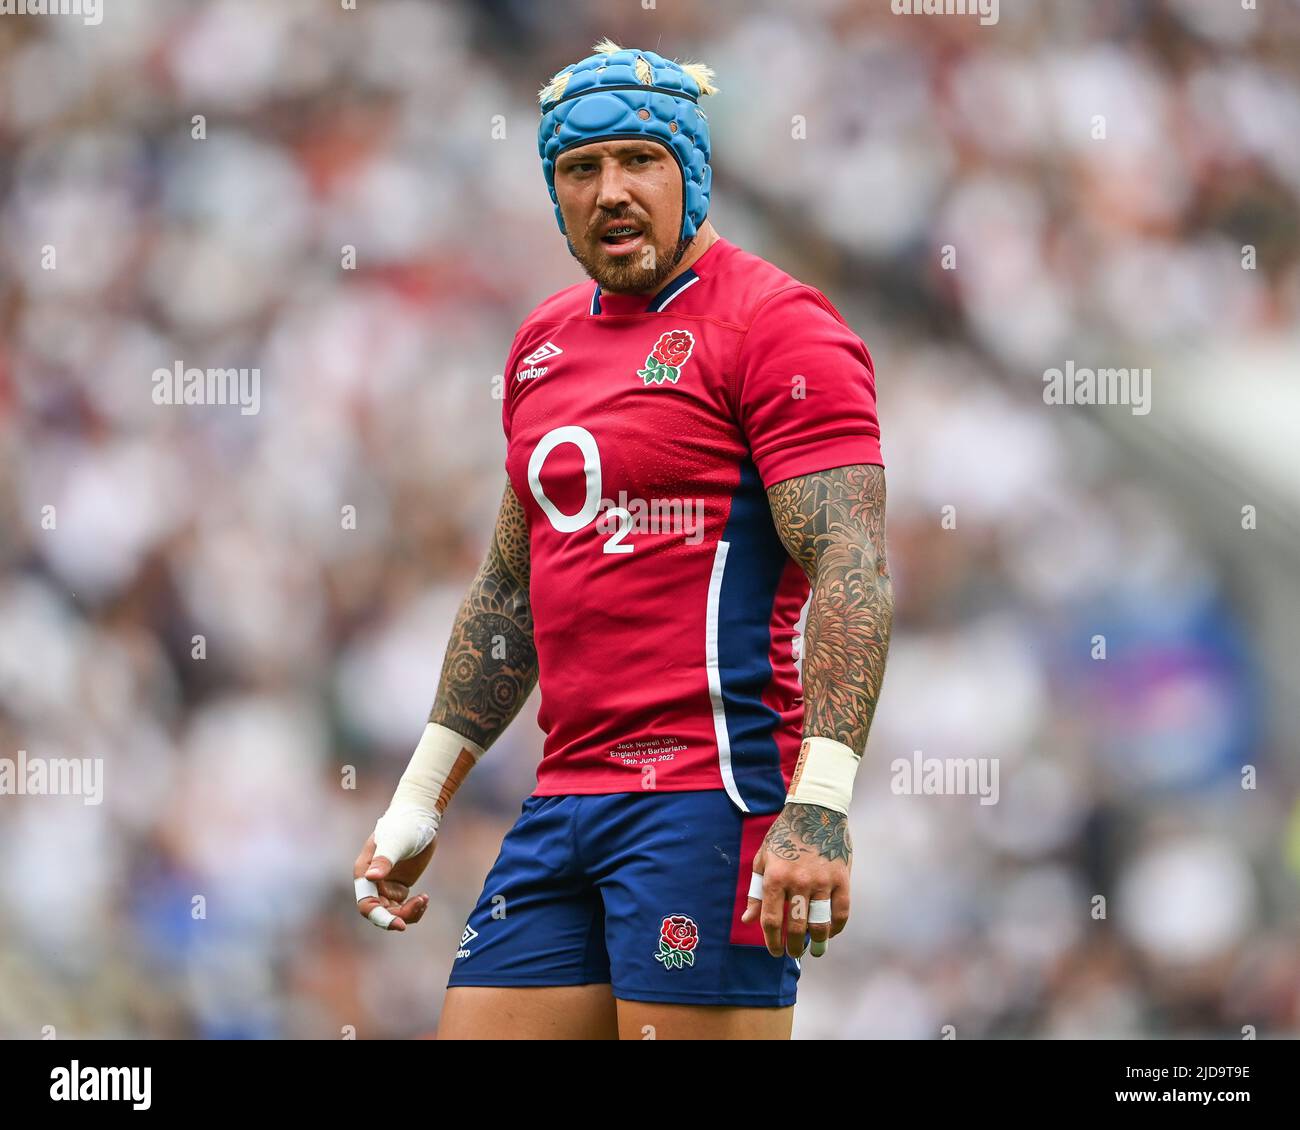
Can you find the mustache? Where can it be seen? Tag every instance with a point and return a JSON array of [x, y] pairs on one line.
[[626, 217]]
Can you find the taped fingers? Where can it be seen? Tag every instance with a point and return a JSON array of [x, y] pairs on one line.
[[377, 907], [819, 924], [755, 903], [772, 915], [807, 919], [369, 905]]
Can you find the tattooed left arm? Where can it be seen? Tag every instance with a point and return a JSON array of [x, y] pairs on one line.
[[833, 524]]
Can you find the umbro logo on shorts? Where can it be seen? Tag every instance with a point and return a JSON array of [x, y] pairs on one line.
[[468, 936], [532, 367]]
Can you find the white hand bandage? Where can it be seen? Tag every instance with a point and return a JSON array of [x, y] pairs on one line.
[[402, 832], [824, 774], [439, 764]]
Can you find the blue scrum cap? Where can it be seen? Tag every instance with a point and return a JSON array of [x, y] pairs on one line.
[[618, 93]]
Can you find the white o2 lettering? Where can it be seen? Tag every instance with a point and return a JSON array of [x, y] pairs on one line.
[[615, 543], [586, 443], [569, 523]]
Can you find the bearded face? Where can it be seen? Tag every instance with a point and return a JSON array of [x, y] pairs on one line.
[[622, 208]]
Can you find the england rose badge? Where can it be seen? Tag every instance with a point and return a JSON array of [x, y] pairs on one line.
[[678, 937], [667, 357]]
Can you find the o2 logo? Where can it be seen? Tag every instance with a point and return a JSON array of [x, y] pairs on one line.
[[590, 509]]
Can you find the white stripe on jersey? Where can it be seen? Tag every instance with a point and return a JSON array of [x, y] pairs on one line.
[[663, 305], [715, 676]]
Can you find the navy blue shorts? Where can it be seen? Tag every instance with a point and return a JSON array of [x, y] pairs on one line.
[[641, 891]]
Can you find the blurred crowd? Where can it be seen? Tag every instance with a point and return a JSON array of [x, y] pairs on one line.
[[243, 615]]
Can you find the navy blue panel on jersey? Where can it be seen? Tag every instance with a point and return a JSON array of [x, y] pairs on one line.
[[756, 560]]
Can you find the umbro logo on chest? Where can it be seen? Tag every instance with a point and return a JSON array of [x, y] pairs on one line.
[[532, 366]]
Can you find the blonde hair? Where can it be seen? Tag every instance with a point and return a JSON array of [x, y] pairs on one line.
[[700, 72]]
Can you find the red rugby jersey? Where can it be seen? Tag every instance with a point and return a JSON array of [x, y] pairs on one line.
[[640, 435]]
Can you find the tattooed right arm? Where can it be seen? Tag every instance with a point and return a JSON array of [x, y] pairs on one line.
[[491, 663]]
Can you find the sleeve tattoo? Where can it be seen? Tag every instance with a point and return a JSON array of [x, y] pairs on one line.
[[491, 662], [833, 525]]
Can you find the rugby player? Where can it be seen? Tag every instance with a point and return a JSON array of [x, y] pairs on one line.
[[692, 455]]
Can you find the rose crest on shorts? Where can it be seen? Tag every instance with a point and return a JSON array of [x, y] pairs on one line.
[[667, 357], [678, 937]]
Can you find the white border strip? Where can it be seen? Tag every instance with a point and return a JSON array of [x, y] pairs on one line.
[[664, 304], [715, 676]]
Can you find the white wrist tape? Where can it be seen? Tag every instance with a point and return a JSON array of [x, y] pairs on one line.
[[437, 767], [824, 774]]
